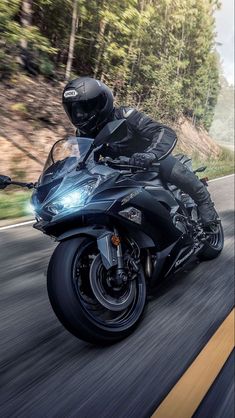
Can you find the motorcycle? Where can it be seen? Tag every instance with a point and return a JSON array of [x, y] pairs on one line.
[[121, 233]]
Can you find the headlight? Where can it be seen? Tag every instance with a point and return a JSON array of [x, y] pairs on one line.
[[72, 199]]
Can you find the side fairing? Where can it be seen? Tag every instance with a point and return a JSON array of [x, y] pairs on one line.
[[156, 206]]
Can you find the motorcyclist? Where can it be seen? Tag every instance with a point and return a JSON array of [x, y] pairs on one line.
[[89, 106]]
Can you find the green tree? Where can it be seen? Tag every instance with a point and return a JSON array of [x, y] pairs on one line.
[[158, 55]]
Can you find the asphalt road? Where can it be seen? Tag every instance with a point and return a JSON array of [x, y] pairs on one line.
[[46, 372]]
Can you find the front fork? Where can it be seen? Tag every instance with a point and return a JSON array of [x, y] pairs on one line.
[[121, 276], [111, 251]]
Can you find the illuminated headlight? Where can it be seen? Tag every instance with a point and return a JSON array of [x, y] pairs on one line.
[[74, 199], [71, 200], [132, 214]]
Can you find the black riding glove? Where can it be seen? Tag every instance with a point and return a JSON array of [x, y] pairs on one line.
[[4, 182], [144, 160]]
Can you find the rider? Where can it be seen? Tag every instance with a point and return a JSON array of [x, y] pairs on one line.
[[89, 106]]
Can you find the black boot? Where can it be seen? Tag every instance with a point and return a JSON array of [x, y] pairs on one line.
[[189, 183]]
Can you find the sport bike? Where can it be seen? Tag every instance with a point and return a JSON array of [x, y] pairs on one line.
[[121, 233]]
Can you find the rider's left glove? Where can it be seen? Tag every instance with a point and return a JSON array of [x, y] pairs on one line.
[[144, 160]]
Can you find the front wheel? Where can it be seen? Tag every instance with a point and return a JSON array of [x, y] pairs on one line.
[[86, 300]]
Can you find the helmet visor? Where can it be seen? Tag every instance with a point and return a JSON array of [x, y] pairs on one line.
[[82, 111]]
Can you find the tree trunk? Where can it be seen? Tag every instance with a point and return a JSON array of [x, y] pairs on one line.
[[26, 19], [136, 62], [72, 40], [102, 69], [180, 51], [101, 43]]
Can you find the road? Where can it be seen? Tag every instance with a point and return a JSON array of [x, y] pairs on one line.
[[46, 372]]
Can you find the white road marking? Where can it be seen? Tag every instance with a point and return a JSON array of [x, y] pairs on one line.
[[16, 225], [30, 222], [221, 178]]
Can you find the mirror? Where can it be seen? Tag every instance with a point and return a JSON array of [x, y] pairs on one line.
[[113, 131], [200, 169], [4, 181]]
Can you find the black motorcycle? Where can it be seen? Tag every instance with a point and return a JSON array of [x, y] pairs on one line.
[[121, 232]]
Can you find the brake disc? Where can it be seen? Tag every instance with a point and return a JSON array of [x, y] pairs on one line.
[[112, 298]]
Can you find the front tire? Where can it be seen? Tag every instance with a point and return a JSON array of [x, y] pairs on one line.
[[75, 304]]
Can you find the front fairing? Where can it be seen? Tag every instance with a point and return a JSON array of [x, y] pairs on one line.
[[52, 191], [62, 180]]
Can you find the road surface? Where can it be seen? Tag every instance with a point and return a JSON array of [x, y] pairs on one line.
[[46, 372]]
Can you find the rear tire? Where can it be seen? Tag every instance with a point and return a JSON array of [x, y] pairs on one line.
[[213, 246], [74, 302]]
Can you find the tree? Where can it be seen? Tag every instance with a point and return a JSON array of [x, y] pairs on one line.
[[26, 19], [158, 55], [72, 40]]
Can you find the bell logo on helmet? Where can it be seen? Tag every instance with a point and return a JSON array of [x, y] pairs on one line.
[[70, 93]]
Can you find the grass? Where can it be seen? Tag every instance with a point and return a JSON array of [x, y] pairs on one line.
[[222, 166], [15, 204], [20, 108]]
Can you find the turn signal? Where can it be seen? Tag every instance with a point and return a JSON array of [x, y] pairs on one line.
[[115, 240]]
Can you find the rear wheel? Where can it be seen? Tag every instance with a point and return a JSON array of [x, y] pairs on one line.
[[214, 243], [85, 297]]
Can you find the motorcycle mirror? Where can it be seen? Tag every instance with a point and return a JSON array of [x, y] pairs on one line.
[[112, 132], [4, 181], [200, 169]]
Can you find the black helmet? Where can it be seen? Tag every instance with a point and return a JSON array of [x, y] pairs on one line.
[[88, 104]]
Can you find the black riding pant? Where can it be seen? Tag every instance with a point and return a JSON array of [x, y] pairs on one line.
[[166, 167]]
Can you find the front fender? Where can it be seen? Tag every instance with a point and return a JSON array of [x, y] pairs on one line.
[[103, 237]]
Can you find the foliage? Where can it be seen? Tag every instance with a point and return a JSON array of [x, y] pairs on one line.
[[222, 166], [19, 108], [157, 55], [222, 128], [46, 66], [11, 35], [14, 205]]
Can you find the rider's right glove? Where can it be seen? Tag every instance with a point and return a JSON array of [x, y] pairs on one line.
[[144, 160]]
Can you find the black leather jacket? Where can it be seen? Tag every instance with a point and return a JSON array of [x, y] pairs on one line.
[[144, 135]]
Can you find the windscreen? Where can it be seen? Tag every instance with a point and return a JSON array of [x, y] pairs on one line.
[[64, 157]]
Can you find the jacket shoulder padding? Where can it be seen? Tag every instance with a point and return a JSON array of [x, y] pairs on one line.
[[124, 112]]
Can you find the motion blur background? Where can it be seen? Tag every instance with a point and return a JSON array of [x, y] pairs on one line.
[[170, 58], [174, 60]]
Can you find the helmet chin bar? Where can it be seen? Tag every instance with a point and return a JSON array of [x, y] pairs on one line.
[[102, 123], [96, 128], [88, 132]]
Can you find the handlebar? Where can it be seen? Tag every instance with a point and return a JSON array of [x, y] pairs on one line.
[[124, 164], [21, 184], [6, 181]]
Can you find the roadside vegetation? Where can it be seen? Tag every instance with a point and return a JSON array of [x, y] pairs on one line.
[[222, 166], [157, 55], [14, 204]]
